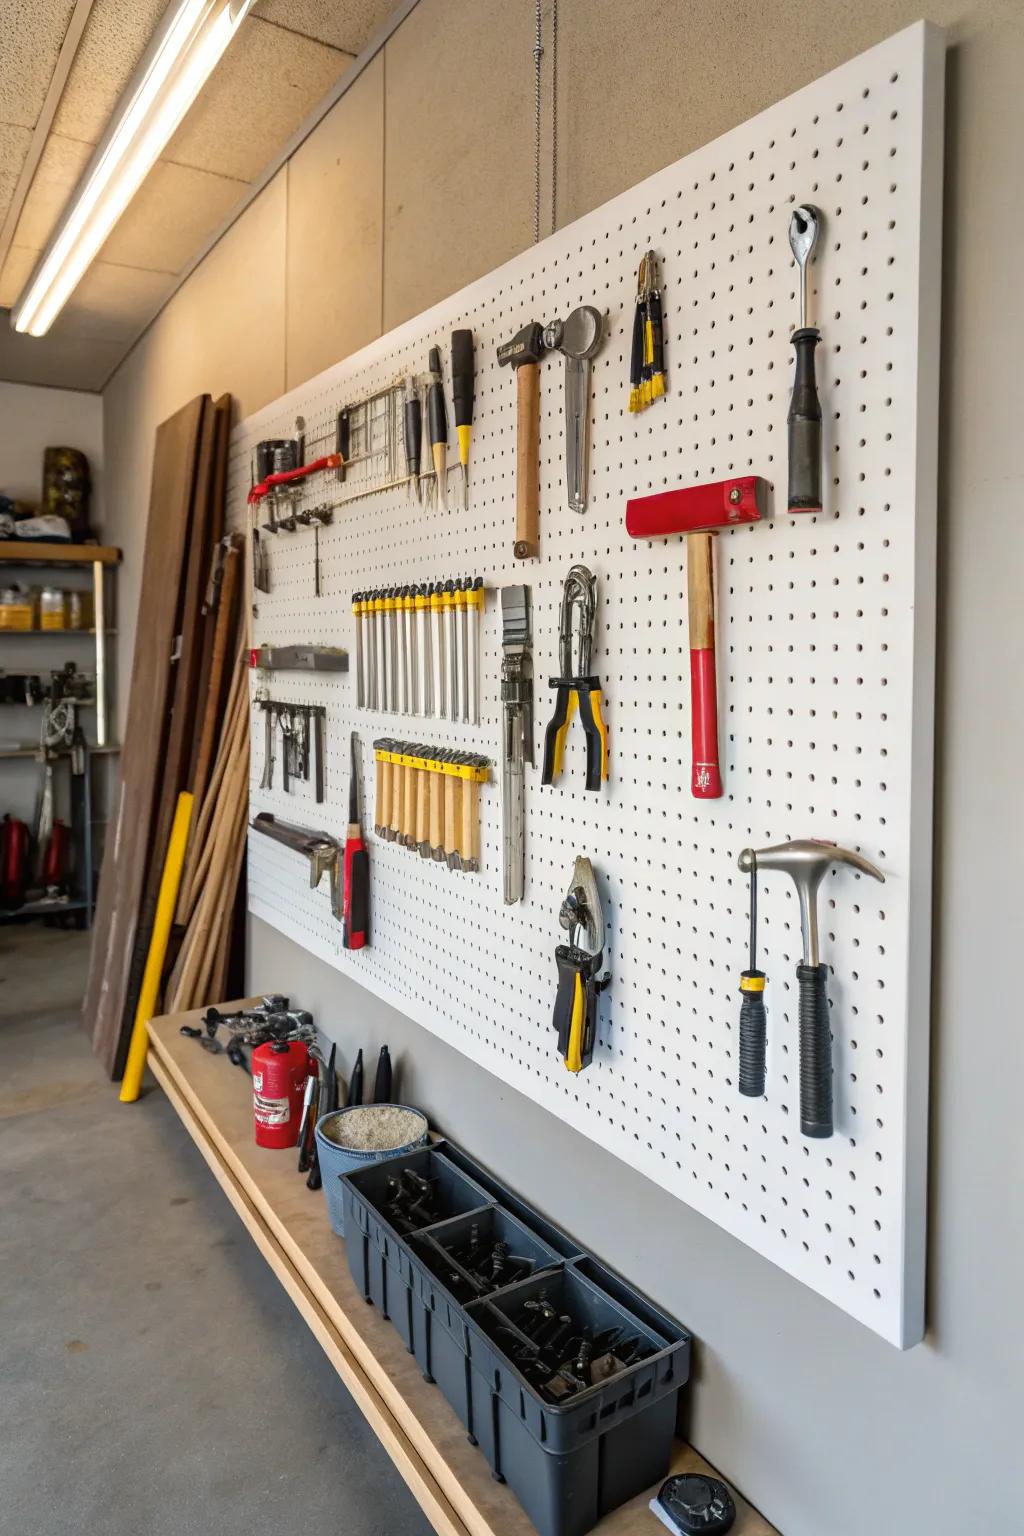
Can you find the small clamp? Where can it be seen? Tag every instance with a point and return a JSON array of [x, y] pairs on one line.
[[576, 689], [579, 961]]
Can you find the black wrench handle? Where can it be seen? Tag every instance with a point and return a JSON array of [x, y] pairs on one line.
[[804, 422]]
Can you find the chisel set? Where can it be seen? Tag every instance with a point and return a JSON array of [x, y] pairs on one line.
[[418, 649], [428, 799]]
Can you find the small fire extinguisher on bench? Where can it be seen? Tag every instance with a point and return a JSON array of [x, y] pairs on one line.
[[279, 1072]]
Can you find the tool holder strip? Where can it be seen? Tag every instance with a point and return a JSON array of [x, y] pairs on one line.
[[826, 666]]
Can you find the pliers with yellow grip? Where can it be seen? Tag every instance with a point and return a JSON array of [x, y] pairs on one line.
[[579, 961], [576, 689]]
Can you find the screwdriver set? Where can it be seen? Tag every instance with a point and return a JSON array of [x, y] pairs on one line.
[[428, 799], [418, 649]]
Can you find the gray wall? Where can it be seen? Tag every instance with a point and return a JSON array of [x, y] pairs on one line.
[[802, 1407], [389, 206]]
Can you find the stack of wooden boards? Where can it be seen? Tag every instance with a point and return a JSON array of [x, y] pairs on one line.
[[183, 732]]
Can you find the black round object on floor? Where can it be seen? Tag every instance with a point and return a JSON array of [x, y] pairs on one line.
[[695, 1505]]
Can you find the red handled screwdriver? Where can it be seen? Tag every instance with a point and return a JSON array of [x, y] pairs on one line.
[[356, 911]]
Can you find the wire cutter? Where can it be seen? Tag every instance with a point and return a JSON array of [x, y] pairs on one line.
[[579, 962], [577, 689]]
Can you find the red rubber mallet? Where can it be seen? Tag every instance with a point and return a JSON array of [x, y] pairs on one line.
[[699, 511]]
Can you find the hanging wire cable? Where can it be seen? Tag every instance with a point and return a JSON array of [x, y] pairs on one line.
[[554, 115], [538, 54]]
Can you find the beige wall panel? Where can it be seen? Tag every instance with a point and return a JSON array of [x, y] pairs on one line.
[[644, 82], [335, 193], [174, 211], [458, 168], [14, 143], [222, 331], [268, 81]]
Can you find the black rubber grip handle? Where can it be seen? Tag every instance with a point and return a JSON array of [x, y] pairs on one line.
[[815, 1052], [805, 427], [437, 416], [342, 438], [753, 1035], [462, 377], [413, 421]]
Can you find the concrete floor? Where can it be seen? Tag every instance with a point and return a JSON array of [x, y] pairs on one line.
[[156, 1379]]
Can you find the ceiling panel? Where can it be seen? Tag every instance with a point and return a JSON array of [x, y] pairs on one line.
[[113, 42], [170, 216], [267, 82], [60, 166], [114, 303], [32, 32], [346, 24], [15, 272], [69, 362]]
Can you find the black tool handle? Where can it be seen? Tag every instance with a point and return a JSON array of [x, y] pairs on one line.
[[815, 1052], [805, 426], [342, 438], [462, 377], [437, 416], [382, 1081], [413, 422], [753, 1034], [355, 1083]]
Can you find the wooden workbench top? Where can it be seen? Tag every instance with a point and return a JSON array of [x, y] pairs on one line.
[[449, 1478]]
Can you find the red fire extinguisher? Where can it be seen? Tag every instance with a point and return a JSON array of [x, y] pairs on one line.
[[13, 862], [279, 1072], [56, 858]]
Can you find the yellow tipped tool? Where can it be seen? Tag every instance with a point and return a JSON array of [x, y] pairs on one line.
[[579, 962], [463, 381], [647, 357]]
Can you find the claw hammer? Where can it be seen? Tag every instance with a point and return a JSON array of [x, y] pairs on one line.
[[523, 354]]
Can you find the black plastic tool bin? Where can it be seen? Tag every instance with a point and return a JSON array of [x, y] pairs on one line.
[[569, 1463]]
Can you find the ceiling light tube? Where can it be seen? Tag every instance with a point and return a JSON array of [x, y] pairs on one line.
[[183, 53]]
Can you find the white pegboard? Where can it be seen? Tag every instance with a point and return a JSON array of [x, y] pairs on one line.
[[826, 641]]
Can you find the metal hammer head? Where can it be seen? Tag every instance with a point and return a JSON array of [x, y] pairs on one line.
[[698, 508], [806, 862], [527, 347]]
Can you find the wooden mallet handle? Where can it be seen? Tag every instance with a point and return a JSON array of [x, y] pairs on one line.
[[706, 782], [527, 541]]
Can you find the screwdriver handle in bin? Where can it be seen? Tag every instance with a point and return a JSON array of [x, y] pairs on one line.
[[804, 423]]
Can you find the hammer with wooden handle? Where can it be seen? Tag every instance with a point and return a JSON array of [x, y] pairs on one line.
[[698, 511], [523, 353]]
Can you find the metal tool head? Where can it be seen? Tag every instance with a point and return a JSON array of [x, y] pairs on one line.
[[527, 346], [578, 336], [804, 228], [579, 595], [581, 914], [806, 863]]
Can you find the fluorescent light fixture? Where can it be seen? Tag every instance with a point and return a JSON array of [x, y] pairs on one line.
[[184, 50]]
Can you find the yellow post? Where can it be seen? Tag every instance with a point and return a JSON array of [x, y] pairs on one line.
[[166, 902]]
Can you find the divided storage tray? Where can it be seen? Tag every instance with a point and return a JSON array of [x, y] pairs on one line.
[[568, 1463]]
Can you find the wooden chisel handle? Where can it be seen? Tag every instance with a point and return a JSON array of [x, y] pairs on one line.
[[422, 781], [451, 784], [382, 800], [409, 805], [706, 783], [466, 838], [474, 827], [527, 542], [397, 780], [435, 792]]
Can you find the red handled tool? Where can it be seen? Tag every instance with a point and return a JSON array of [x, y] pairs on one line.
[[356, 912], [698, 511]]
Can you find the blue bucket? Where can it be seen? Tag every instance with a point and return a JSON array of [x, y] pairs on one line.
[[336, 1160]]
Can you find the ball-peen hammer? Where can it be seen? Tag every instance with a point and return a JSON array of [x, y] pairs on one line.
[[699, 511]]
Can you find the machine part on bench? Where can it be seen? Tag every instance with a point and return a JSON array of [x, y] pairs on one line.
[[693, 1504]]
